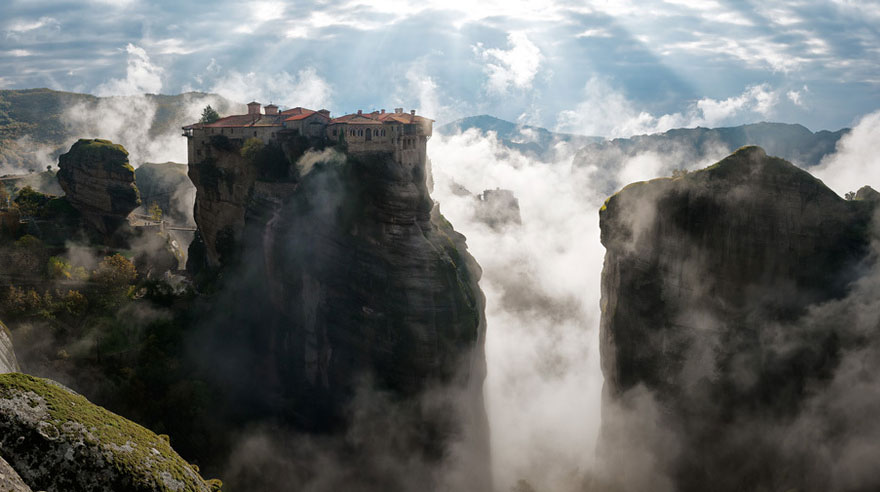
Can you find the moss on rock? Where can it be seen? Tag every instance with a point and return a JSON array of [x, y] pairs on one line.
[[59, 441]]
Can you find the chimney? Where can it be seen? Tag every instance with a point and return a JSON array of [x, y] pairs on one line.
[[360, 111], [383, 111], [325, 112], [253, 107], [398, 110], [271, 109], [413, 112]]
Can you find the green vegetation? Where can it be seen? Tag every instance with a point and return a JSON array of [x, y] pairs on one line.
[[114, 156], [209, 115], [32, 203], [155, 212]]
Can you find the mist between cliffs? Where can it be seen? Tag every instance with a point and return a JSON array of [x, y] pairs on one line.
[[541, 279]]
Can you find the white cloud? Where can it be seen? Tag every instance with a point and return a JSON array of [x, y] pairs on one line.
[[306, 88], [607, 112], [173, 46], [756, 99], [513, 68], [266, 11], [22, 26], [797, 97], [599, 32], [757, 52], [141, 76], [18, 53], [856, 161]]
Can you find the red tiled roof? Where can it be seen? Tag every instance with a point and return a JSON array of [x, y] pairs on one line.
[[297, 110], [245, 120], [378, 118]]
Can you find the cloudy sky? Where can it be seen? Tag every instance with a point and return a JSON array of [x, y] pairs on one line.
[[605, 67]]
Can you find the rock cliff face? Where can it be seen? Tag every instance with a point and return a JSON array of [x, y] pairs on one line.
[[58, 441], [725, 326], [349, 279], [8, 362], [99, 182]]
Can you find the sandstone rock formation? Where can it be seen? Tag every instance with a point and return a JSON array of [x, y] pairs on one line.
[[348, 278], [732, 298], [58, 441], [8, 362], [99, 182]]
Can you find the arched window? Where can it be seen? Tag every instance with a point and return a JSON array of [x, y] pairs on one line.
[[369, 134]]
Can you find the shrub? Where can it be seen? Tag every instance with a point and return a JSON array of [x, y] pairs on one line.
[[58, 268], [112, 280]]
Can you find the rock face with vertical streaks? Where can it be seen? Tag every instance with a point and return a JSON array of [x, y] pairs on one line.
[[733, 300], [346, 280]]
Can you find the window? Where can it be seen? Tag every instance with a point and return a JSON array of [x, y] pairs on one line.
[[361, 132], [255, 133], [334, 132]]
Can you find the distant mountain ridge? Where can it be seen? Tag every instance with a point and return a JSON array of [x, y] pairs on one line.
[[530, 140], [791, 142]]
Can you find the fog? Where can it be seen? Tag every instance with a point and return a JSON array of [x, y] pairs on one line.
[[541, 281]]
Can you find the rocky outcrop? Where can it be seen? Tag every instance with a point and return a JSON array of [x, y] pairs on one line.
[[9, 479], [8, 362], [224, 181], [58, 441], [497, 208], [99, 182], [717, 338], [349, 280]]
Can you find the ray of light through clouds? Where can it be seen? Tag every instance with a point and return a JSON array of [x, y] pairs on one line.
[[605, 67]]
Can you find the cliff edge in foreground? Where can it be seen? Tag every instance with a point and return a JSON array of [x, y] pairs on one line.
[[737, 309]]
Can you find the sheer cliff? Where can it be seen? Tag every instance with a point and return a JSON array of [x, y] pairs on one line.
[[735, 302], [339, 282]]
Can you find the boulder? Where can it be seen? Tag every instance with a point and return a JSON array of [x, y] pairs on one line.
[[99, 182], [58, 441]]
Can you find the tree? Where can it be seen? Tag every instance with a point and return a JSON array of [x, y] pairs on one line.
[[851, 195], [209, 115], [155, 212], [113, 278]]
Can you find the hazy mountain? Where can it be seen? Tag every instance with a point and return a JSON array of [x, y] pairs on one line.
[[37, 125], [530, 140], [794, 143]]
